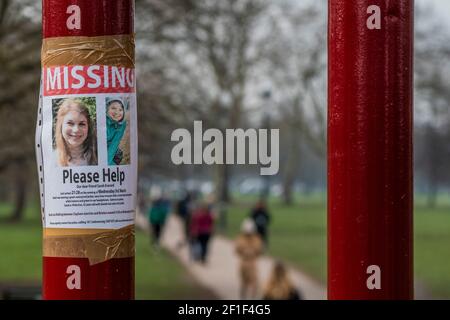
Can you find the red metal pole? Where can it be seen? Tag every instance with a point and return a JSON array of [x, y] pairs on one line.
[[370, 185], [85, 263]]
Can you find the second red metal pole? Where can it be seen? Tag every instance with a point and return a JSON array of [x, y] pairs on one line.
[[370, 180]]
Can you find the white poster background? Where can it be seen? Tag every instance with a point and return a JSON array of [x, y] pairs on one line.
[[95, 205]]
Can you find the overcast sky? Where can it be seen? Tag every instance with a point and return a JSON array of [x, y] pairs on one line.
[[442, 8]]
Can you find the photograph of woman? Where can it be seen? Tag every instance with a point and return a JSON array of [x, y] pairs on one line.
[[74, 132], [117, 134]]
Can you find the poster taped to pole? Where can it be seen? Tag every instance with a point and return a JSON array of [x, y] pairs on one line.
[[86, 144]]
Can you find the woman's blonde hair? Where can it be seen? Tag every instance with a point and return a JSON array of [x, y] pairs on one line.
[[89, 145], [279, 286]]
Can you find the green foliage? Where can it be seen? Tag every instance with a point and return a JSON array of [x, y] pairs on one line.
[[89, 102]]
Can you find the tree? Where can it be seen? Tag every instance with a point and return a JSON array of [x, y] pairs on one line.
[[296, 66], [202, 53], [432, 67], [19, 81]]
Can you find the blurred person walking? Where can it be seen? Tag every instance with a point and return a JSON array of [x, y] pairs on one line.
[[249, 247], [201, 229], [157, 217], [261, 218], [184, 211], [280, 286]]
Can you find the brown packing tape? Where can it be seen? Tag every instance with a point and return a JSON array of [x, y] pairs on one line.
[[98, 245], [104, 50]]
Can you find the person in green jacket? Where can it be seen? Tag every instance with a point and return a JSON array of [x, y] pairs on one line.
[[157, 216], [116, 125]]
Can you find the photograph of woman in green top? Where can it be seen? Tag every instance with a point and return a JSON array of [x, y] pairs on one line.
[[116, 137]]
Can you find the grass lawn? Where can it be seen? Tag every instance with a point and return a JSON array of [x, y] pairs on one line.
[[432, 248], [298, 235], [158, 276]]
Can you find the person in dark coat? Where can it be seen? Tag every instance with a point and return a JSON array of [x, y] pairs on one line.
[[184, 211], [261, 218]]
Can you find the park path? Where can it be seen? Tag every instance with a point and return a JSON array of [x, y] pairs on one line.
[[220, 274]]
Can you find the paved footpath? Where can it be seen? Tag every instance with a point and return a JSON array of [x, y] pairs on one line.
[[220, 274]]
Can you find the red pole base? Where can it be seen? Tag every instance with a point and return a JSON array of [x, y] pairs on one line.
[[109, 280]]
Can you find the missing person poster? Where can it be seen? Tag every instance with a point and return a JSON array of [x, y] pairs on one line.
[[86, 145], [89, 147]]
